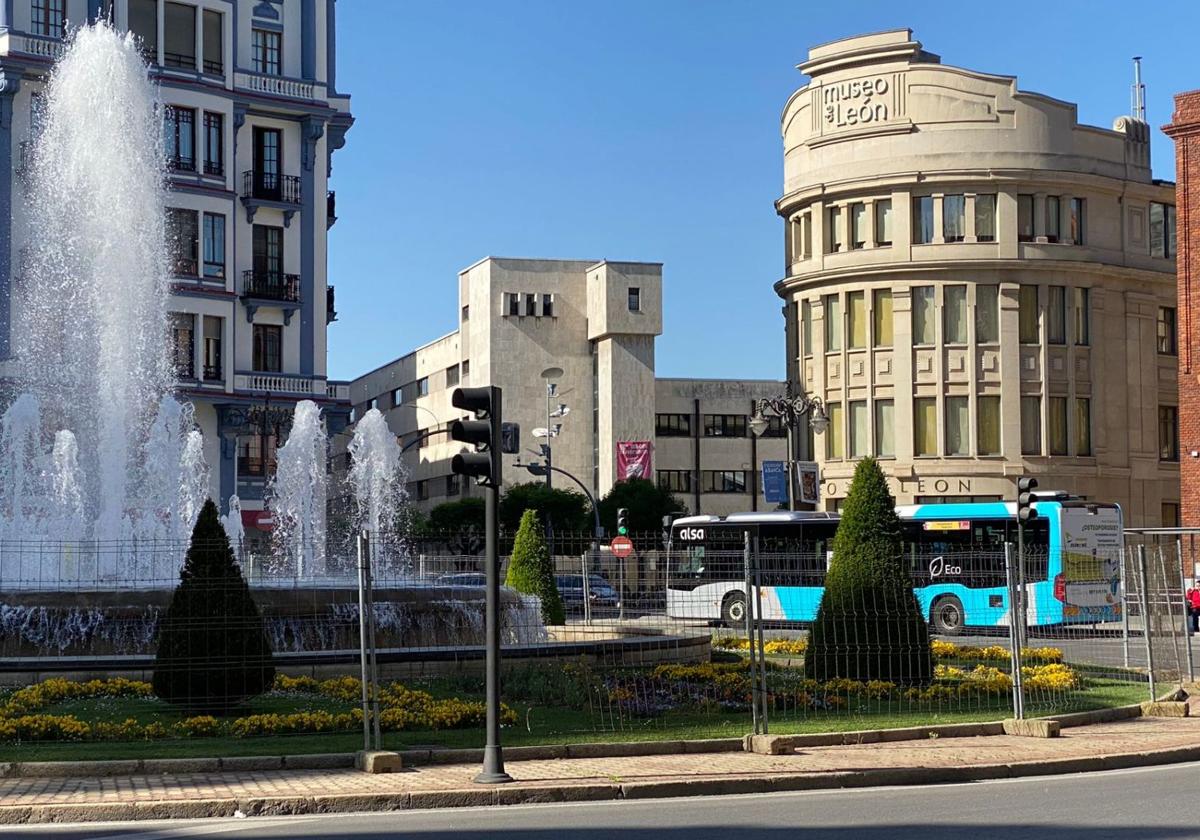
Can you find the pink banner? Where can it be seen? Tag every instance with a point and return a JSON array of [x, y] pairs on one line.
[[633, 459]]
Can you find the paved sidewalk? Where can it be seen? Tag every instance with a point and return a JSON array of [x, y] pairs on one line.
[[1128, 743]]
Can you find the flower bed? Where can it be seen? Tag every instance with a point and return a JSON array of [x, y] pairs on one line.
[[941, 650]]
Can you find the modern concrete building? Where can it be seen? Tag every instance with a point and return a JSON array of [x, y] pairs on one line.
[[977, 286], [597, 323], [253, 115]]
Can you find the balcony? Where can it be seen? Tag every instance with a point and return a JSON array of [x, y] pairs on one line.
[[181, 163], [281, 383], [330, 209], [330, 306], [270, 288], [269, 189], [275, 85], [184, 266], [51, 49], [214, 373], [214, 167]]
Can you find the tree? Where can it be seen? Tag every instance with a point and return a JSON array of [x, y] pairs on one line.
[[869, 625], [647, 503], [460, 524], [568, 510], [530, 570], [213, 651]]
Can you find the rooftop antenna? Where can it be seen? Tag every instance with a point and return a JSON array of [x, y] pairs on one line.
[[1138, 92]]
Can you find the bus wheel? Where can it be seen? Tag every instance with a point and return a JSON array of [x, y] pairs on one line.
[[733, 611], [947, 616]]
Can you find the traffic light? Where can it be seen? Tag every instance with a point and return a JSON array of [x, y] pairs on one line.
[[623, 521], [484, 432], [1025, 499]]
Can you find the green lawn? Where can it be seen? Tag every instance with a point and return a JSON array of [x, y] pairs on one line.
[[541, 720]]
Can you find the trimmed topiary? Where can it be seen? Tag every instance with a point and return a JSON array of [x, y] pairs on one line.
[[213, 651], [869, 625], [530, 570]]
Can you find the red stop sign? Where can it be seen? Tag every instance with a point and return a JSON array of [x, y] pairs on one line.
[[621, 546]]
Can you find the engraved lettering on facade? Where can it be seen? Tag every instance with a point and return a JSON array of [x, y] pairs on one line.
[[856, 102]]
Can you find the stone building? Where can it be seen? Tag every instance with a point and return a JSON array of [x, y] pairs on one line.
[[596, 322], [977, 286]]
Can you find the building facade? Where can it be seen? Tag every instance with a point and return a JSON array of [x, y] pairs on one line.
[[977, 286], [596, 322], [1185, 130], [252, 116]]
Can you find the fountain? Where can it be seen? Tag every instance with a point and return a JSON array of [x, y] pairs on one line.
[[377, 479]]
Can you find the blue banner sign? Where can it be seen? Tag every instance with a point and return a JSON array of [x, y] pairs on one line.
[[775, 481]]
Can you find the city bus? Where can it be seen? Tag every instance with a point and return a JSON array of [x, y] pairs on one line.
[[954, 554]]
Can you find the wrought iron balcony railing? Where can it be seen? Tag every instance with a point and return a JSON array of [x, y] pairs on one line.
[[270, 186], [271, 285]]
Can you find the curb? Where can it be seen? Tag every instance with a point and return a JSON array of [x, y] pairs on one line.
[[519, 794]]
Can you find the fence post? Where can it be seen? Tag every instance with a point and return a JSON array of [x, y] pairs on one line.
[[1145, 599], [587, 591], [750, 632], [1014, 639], [762, 647], [362, 640], [1187, 627], [1126, 553]]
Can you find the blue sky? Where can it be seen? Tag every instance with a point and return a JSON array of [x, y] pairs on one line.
[[645, 131]]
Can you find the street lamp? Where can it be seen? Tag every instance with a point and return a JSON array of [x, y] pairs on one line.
[[790, 409]]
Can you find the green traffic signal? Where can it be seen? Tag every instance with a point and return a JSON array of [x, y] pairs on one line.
[[622, 521]]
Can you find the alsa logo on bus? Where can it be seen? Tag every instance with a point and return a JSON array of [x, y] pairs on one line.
[[691, 533]]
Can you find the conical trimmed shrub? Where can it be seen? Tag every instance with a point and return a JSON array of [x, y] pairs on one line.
[[869, 625], [531, 570], [213, 652]]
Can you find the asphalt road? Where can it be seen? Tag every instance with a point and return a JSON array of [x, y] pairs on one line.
[[1142, 804]]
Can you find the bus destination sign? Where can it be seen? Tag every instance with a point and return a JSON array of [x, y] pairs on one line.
[[948, 525]]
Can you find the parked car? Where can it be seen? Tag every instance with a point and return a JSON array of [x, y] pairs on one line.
[[604, 599], [463, 579]]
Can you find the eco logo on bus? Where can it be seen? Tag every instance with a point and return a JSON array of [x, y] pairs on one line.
[[938, 568]]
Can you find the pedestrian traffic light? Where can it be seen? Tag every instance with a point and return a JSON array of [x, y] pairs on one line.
[[484, 432], [1025, 498], [623, 521]]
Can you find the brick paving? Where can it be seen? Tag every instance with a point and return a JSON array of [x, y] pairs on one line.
[[1135, 736]]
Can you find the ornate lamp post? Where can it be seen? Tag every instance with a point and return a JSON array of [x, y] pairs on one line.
[[790, 409]]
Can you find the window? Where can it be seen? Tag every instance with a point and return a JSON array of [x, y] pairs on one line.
[[859, 431], [882, 317], [466, 368], [1028, 315], [453, 484], [397, 397], [267, 254], [1078, 220], [922, 315], [675, 481], [954, 314], [547, 306], [1170, 515], [775, 428], [1057, 425], [883, 222], [214, 246], [1168, 433], [1031, 425], [835, 441], [988, 438], [214, 143], [182, 241], [1166, 331], [214, 43], [143, 23], [1083, 426], [858, 225], [1056, 314], [268, 164], [252, 460], [422, 438], [987, 314], [923, 219], [806, 327], [985, 218], [514, 304], [422, 490], [268, 348], [673, 425], [856, 315], [1053, 218], [885, 428], [954, 218], [466, 313], [723, 481], [530, 304], [635, 299], [266, 48], [958, 435], [724, 425], [180, 137], [183, 352], [48, 18], [1025, 218], [179, 35], [423, 386], [833, 324], [806, 234], [1162, 229], [214, 370], [1082, 313], [834, 225], [451, 376], [925, 426]]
